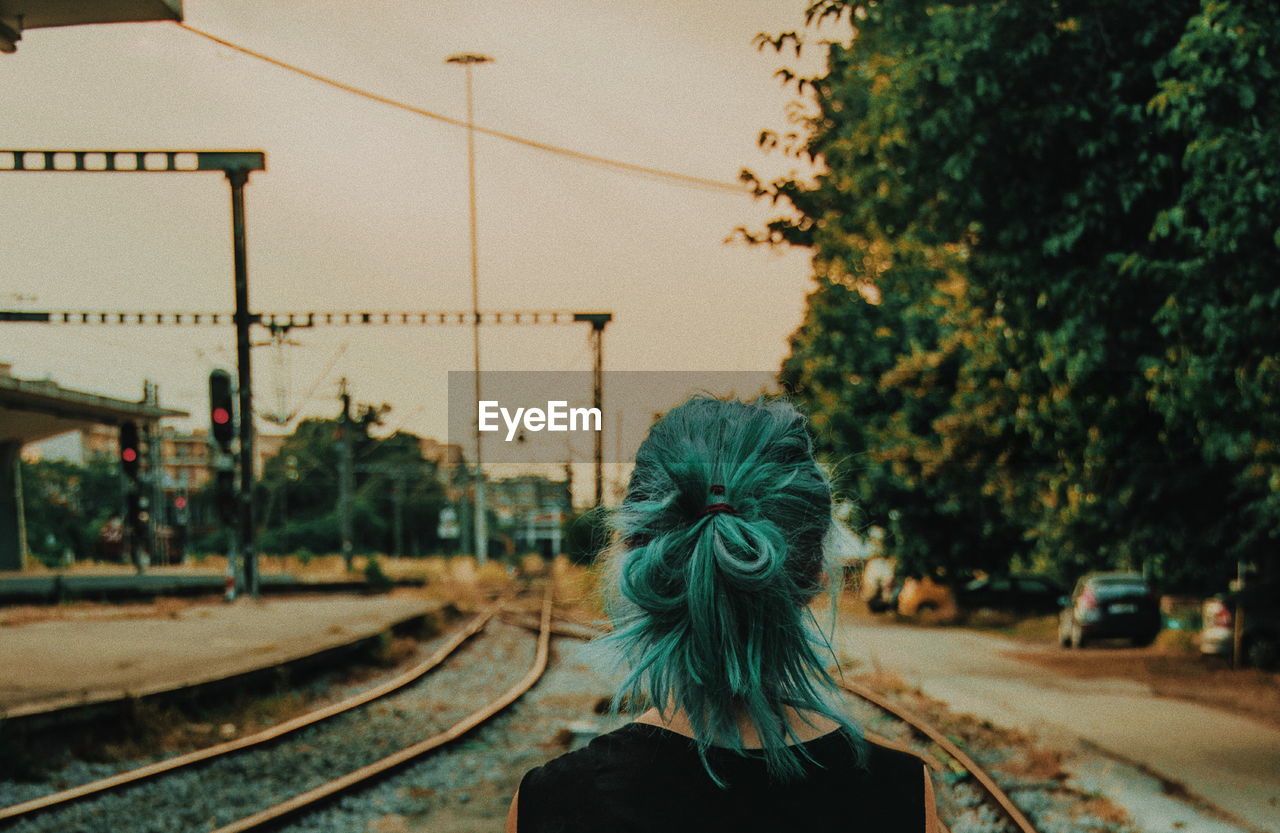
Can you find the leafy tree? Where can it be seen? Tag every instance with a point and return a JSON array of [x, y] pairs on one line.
[[299, 489], [65, 505], [1062, 215]]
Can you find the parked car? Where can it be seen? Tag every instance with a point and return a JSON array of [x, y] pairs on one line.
[[920, 595], [1260, 628], [1110, 606], [1028, 594]]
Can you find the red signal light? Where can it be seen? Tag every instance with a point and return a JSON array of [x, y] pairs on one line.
[[180, 503], [221, 416], [129, 455]]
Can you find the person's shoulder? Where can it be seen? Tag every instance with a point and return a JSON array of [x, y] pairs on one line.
[[577, 789], [601, 753], [888, 760]]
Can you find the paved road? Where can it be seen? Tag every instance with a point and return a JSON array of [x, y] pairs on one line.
[[1232, 762]]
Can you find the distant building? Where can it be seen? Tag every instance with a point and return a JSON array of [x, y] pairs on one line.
[[185, 459], [185, 456], [531, 510], [97, 442]]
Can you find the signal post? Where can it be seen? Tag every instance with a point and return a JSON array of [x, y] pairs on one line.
[[221, 433]]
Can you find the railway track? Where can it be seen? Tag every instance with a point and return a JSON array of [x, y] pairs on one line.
[[301, 802], [351, 780], [999, 798]]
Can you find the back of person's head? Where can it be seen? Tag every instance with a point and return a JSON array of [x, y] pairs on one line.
[[719, 550]]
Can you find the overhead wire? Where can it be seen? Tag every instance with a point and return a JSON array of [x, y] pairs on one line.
[[669, 177]]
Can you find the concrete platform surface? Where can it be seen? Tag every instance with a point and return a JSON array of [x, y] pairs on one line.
[[50, 665]]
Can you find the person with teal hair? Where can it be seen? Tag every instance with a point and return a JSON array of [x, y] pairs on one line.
[[723, 540]]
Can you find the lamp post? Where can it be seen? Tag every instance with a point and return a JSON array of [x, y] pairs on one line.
[[480, 525]]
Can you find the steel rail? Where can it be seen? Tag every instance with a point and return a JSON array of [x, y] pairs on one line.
[[133, 776], [303, 801], [998, 795], [559, 627]]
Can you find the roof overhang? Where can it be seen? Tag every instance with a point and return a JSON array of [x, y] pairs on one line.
[[16, 16], [36, 410]]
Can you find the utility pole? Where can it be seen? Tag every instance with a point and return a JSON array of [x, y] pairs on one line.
[[237, 177], [598, 320], [467, 60], [346, 475]]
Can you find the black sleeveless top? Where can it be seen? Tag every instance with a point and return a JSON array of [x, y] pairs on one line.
[[646, 778]]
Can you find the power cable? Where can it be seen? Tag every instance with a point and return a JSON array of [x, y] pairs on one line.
[[669, 177]]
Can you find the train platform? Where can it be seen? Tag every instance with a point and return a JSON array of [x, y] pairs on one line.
[[99, 656], [122, 583]]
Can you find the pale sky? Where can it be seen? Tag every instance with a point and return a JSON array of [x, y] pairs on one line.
[[364, 207]]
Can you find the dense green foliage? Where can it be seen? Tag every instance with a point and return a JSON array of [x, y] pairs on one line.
[[299, 489], [65, 506], [1045, 243]]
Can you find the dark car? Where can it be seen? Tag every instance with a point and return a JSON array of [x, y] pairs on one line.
[[1029, 594], [1259, 629], [885, 599], [1110, 606]]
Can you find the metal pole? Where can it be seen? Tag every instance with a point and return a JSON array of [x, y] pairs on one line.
[[597, 394], [284, 515], [481, 516], [157, 511], [346, 477], [480, 519], [243, 318]]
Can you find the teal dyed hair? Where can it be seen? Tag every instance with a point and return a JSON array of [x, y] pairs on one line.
[[711, 609]]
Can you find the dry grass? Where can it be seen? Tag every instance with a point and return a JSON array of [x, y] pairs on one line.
[[1026, 628], [579, 590], [1037, 764], [459, 580], [1101, 809]]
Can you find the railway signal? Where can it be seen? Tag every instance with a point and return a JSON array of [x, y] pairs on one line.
[[136, 518], [221, 410], [130, 452], [223, 431]]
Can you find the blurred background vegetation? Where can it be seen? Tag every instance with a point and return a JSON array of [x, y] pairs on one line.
[[1046, 326]]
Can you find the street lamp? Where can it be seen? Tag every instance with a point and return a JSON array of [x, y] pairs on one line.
[[481, 526]]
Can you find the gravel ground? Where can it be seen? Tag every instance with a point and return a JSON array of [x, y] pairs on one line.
[[220, 792], [1031, 775], [467, 786], [66, 762]]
